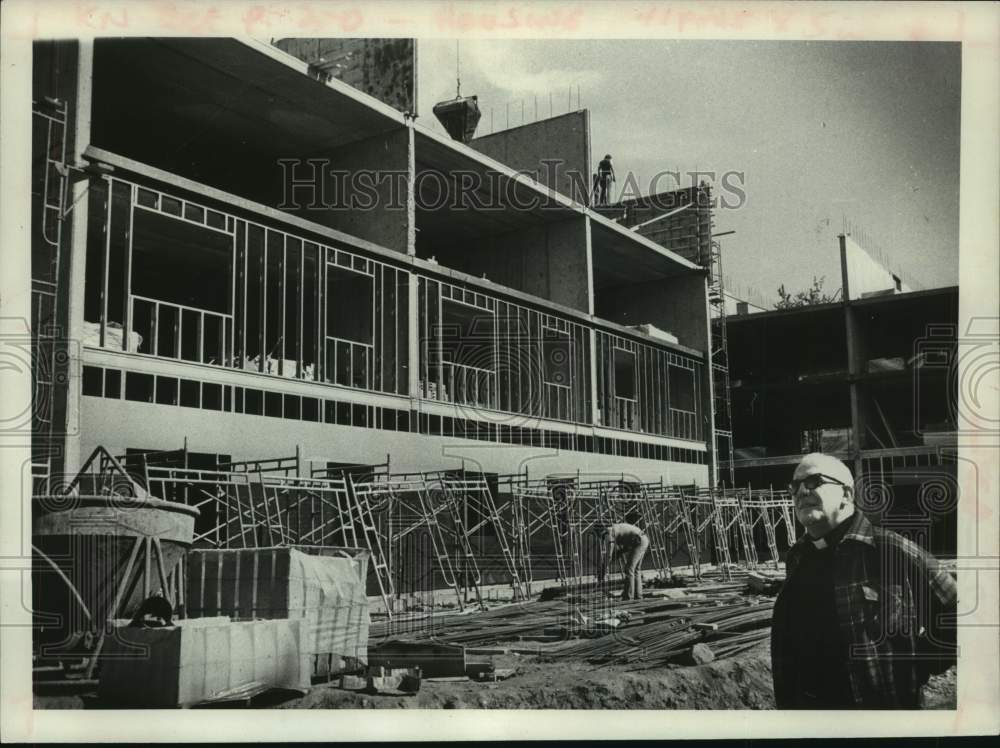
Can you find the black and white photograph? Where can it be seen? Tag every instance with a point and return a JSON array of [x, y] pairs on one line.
[[639, 360]]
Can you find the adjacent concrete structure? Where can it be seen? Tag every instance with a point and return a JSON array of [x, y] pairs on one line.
[[869, 380]]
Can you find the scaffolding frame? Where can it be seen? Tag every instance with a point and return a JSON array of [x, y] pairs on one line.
[[721, 395], [455, 524]]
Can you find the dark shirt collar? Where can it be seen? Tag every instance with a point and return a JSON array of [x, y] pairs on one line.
[[834, 536]]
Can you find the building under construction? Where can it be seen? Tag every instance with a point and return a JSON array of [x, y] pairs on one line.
[[310, 339]]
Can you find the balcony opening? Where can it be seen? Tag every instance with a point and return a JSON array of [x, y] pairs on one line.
[[557, 373], [181, 289], [468, 354], [624, 374], [556, 357], [350, 307], [181, 263], [681, 383]]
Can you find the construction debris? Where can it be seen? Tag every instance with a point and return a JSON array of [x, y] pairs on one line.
[[649, 632], [434, 660], [237, 696], [353, 682], [393, 681], [497, 674], [700, 654]]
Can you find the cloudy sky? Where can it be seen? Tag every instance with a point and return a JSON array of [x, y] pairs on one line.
[[822, 131]]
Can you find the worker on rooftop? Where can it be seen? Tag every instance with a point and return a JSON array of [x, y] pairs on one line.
[[624, 538], [604, 179]]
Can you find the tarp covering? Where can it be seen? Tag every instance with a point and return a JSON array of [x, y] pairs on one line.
[[326, 591], [201, 659], [328, 594]]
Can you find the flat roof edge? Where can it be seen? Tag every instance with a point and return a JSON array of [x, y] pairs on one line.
[[870, 301], [301, 66]]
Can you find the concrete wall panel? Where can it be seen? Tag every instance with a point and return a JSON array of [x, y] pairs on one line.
[[564, 141], [549, 261], [865, 275], [677, 305], [371, 202]]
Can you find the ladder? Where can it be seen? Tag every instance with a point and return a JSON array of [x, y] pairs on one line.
[[744, 530], [439, 545], [481, 488], [533, 503], [558, 551], [609, 512], [454, 505], [359, 494], [244, 498], [573, 534], [709, 518], [521, 530], [786, 505], [769, 531], [658, 546], [273, 526], [721, 543], [690, 537]]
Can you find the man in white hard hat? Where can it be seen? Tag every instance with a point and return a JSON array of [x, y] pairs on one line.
[[858, 623]]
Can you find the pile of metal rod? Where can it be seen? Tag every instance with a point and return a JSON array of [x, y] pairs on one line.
[[648, 632], [502, 624], [667, 629]]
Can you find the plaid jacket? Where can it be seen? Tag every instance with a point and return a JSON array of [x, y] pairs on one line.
[[891, 598]]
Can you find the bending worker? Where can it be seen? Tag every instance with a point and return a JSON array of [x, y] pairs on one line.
[[625, 538]]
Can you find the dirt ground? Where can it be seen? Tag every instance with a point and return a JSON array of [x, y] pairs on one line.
[[739, 683], [742, 682]]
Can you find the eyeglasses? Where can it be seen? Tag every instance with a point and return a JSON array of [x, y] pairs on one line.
[[812, 482]]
